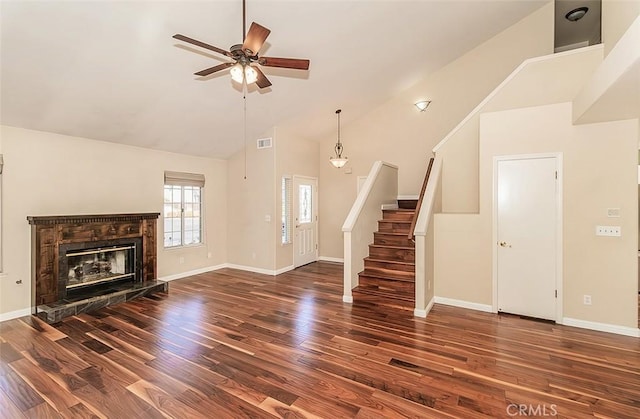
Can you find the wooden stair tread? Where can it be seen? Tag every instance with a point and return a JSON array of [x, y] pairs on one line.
[[388, 246], [387, 276], [387, 261]]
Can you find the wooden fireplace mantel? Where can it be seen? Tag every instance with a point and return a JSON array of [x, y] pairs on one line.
[[100, 218], [48, 233]]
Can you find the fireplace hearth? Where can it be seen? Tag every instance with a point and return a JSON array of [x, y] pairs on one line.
[[81, 263]]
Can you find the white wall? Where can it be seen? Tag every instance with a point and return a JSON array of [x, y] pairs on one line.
[[396, 132], [51, 174]]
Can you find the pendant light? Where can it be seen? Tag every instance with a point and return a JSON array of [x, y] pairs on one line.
[[338, 161]]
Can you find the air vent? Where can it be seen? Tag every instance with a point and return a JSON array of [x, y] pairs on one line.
[[265, 143]]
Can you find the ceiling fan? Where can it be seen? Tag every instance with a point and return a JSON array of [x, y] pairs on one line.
[[245, 56]]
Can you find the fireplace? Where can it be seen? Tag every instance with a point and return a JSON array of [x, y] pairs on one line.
[[84, 262]]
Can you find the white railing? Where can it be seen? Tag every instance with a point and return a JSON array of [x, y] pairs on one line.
[[424, 239], [380, 188]]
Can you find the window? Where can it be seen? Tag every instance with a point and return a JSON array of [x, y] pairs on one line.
[[182, 209], [286, 210], [304, 205]]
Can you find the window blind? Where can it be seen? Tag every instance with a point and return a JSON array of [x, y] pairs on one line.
[[183, 179]]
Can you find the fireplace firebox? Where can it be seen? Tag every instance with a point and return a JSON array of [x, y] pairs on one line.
[[87, 268]]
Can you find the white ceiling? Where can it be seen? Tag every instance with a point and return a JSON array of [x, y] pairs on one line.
[[109, 70]]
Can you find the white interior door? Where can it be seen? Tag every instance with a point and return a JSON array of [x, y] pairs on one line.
[[305, 211], [527, 236]]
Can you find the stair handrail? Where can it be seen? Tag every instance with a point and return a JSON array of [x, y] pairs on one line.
[[411, 234]]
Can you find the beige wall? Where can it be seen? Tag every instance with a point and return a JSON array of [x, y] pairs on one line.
[[396, 132], [617, 16], [294, 156], [51, 174], [250, 200], [544, 80], [600, 172], [463, 257]]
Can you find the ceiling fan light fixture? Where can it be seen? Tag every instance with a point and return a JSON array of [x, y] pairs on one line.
[[576, 14], [250, 74], [237, 73]]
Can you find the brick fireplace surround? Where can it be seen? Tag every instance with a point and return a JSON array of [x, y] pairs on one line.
[[53, 237]]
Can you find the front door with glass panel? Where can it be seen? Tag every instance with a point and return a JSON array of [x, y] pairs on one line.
[[305, 208]]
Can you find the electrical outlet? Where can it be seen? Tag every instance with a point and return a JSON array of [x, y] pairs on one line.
[[428, 285], [181, 260], [209, 255], [586, 300], [611, 231]]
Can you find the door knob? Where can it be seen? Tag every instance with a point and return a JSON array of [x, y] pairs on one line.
[[504, 244]]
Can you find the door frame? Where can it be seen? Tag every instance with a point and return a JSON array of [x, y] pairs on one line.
[[559, 213], [315, 206]]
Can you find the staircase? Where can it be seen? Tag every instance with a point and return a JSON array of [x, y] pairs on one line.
[[388, 277]]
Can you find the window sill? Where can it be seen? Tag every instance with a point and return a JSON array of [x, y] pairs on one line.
[[186, 247]]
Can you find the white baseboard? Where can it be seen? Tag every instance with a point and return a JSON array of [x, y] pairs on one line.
[[285, 269], [347, 299], [331, 259], [389, 207], [423, 313], [251, 269], [464, 304], [191, 273], [602, 327], [15, 314]]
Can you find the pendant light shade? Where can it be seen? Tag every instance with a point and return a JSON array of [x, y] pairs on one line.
[[338, 161]]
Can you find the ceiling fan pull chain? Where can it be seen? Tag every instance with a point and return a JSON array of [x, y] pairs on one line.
[[244, 103]]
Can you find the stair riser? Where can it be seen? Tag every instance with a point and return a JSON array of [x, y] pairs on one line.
[[407, 203], [400, 287], [394, 227], [392, 254], [377, 298], [397, 215], [392, 240], [388, 266]]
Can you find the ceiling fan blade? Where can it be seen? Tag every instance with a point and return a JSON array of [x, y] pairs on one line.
[[262, 81], [213, 69], [294, 63], [255, 38], [201, 44]]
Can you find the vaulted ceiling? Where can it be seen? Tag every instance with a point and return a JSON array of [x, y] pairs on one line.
[[110, 70]]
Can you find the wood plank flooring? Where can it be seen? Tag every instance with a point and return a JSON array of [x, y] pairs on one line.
[[230, 344]]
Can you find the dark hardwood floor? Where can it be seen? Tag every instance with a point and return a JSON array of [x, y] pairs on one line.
[[230, 344]]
